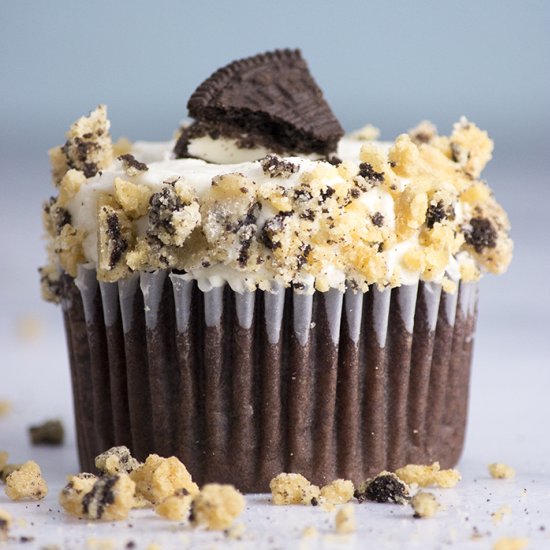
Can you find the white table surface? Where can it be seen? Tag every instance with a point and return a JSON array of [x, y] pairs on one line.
[[508, 417]]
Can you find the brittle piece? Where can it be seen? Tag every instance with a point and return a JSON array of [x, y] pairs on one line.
[[159, 478], [216, 506], [109, 497], [424, 475], [175, 507], [345, 520], [116, 460], [385, 487], [293, 489], [425, 505], [26, 483]]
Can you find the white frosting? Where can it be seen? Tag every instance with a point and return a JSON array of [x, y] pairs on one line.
[[199, 173]]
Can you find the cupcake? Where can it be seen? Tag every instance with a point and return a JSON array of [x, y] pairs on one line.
[[264, 293]]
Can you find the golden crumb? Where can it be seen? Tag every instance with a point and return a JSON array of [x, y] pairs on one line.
[[501, 471], [5, 524], [426, 476], [159, 478], [511, 544], [116, 460], [309, 532], [109, 497], [5, 407], [423, 132], [344, 521], [499, 514], [236, 531], [293, 489], [367, 133], [471, 147], [101, 544], [175, 507], [133, 197], [425, 505], [28, 328], [216, 506], [26, 483], [339, 491], [58, 163], [153, 546]]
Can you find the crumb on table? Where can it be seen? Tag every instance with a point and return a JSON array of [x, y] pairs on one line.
[[175, 507], [345, 520], [159, 478], [426, 475], [501, 471], [289, 488], [339, 491], [26, 483], [385, 487], [216, 506], [109, 497], [116, 460], [506, 543], [425, 505], [498, 515], [49, 433]]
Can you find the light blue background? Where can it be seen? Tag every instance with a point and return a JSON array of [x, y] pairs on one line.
[[390, 63]]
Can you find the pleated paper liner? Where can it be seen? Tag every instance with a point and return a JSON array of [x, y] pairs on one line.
[[242, 387]]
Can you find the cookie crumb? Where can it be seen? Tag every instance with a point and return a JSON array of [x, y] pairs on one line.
[[5, 524], [511, 544], [366, 133], [425, 505], [116, 460], [345, 520], [49, 433], [275, 167], [159, 478], [26, 483], [499, 514], [425, 476], [216, 506], [309, 532], [385, 487], [5, 407], [235, 532], [293, 489], [501, 471], [339, 491], [109, 497], [131, 165], [175, 507]]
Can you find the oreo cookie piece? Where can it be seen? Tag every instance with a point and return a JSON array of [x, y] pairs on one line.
[[269, 100]]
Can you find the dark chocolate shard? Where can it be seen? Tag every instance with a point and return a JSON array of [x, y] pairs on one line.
[[268, 100]]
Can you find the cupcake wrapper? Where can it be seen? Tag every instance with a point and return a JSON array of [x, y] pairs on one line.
[[242, 387]]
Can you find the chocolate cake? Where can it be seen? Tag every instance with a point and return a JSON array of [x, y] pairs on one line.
[[262, 295]]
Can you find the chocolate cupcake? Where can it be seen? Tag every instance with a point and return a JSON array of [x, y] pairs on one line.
[[265, 294]]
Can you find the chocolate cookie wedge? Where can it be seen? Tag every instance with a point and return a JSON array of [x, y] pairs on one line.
[[268, 100]]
